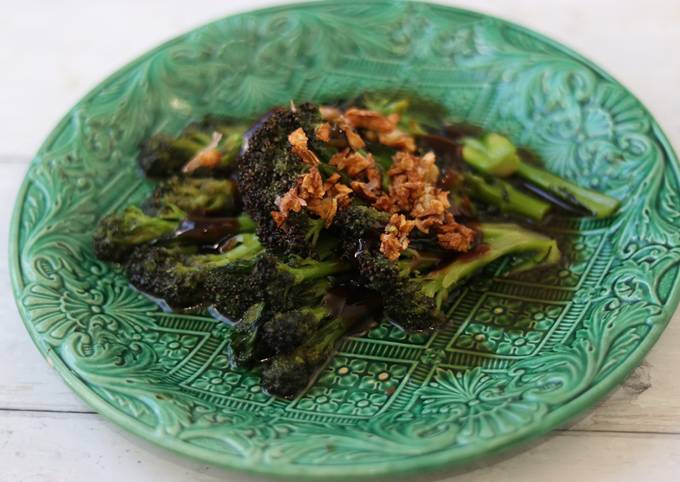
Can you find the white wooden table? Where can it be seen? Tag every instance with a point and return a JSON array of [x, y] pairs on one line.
[[51, 53]]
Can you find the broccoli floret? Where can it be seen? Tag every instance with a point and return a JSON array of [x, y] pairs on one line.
[[261, 334], [288, 374], [183, 277], [359, 228], [285, 286], [268, 169], [243, 347], [152, 269], [194, 195], [231, 289], [207, 147], [118, 233], [281, 286], [287, 330], [275, 333]]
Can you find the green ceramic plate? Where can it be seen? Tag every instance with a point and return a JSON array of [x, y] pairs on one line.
[[520, 356]]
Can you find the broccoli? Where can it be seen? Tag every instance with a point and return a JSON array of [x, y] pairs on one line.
[[496, 155], [243, 347], [261, 333], [285, 331], [268, 169], [183, 277], [116, 234], [286, 375], [152, 269], [506, 197], [287, 285], [210, 146], [194, 195], [490, 154], [359, 228], [414, 301], [281, 286]]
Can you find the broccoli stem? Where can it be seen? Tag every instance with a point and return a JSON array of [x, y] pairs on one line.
[[499, 239], [600, 205], [192, 145], [247, 247], [316, 226], [496, 155], [232, 139], [194, 196], [287, 375], [246, 223], [116, 234], [321, 345], [316, 270], [507, 197]]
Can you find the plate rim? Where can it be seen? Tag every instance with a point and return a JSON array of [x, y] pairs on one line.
[[561, 416]]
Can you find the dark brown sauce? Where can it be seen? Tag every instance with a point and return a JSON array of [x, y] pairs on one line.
[[207, 230], [448, 151], [458, 130], [567, 204], [355, 306]]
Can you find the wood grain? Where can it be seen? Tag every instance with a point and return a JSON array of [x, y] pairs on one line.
[[69, 447]]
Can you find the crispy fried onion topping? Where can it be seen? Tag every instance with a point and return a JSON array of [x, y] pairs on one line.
[[323, 198], [298, 140], [208, 157], [395, 238], [377, 127], [413, 198], [336, 116], [413, 192]]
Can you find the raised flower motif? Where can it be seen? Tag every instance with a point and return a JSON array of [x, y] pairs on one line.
[[343, 372], [537, 316], [498, 311], [363, 403], [249, 388], [479, 337], [432, 356], [517, 342], [388, 331], [177, 346], [217, 381], [325, 400], [219, 378], [382, 376]]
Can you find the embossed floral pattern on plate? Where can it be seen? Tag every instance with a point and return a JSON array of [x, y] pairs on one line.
[[520, 355]]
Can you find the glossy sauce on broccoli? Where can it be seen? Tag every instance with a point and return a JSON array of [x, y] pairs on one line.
[[299, 228]]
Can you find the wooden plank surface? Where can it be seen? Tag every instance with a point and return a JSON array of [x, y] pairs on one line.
[[63, 447], [55, 56]]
